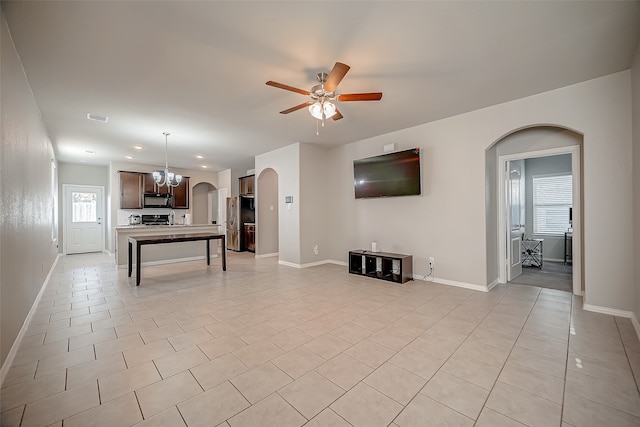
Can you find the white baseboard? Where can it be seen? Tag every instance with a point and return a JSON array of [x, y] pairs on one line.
[[267, 255], [615, 312], [607, 310], [636, 325], [23, 330], [289, 264], [481, 288], [492, 285]]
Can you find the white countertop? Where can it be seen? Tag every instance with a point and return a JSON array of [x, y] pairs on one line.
[[159, 227]]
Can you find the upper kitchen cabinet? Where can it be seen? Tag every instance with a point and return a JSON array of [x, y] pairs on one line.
[[181, 194], [246, 185], [130, 190], [134, 184], [150, 186]]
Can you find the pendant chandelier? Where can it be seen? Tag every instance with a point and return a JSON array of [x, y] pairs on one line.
[[165, 177]]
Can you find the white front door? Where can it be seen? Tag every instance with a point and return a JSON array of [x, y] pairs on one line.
[[515, 216], [83, 219]]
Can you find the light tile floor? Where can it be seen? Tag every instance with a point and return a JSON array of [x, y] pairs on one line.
[[268, 345]]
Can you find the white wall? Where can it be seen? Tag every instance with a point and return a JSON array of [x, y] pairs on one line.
[[27, 251], [224, 180], [267, 212], [635, 71], [315, 228], [448, 220], [200, 202], [286, 162], [442, 222], [491, 195]]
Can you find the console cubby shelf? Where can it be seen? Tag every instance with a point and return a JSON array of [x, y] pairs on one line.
[[396, 268]]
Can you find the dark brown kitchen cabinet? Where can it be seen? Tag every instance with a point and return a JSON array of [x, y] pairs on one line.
[[181, 194], [130, 190], [250, 237], [150, 185], [134, 184], [246, 185]]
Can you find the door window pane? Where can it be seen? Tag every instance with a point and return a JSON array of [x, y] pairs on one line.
[[83, 207]]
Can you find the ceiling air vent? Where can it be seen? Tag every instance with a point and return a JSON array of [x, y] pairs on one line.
[[97, 117]]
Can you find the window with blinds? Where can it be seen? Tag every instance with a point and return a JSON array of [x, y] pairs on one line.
[[552, 199]]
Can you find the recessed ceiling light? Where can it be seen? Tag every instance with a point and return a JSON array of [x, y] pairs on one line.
[[199, 156], [128, 157], [204, 166], [89, 151], [97, 117], [137, 147]]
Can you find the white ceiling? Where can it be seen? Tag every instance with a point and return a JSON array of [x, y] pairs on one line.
[[198, 69]]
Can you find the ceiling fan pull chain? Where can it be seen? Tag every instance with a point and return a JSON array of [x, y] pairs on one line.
[[317, 130]]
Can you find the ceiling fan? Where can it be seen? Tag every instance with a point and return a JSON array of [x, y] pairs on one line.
[[322, 96]]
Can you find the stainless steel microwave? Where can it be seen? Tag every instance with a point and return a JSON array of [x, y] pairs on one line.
[[157, 200]]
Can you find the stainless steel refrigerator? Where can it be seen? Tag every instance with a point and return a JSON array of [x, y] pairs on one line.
[[233, 223], [240, 210]]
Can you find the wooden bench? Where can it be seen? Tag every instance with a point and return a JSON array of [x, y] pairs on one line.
[[138, 241]]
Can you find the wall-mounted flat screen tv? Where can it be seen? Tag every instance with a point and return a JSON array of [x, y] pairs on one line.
[[388, 175]]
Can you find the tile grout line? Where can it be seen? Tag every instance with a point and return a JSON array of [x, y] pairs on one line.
[[484, 405], [626, 353], [566, 360], [447, 359]]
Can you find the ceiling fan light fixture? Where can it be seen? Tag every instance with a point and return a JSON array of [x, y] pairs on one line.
[[319, 107]]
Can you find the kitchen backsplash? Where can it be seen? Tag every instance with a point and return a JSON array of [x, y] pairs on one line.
[[123, 214]]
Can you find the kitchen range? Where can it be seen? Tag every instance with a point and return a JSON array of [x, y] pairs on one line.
[[155, 219], [151, 220]]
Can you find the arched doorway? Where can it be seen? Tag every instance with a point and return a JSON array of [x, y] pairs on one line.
[[202, 204], [267, 228], [535, 145]]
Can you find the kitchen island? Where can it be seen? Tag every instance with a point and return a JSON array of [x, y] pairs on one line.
[[162, 254]]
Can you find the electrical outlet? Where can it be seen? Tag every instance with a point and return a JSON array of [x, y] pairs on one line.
[[432, 262], [315, 249]]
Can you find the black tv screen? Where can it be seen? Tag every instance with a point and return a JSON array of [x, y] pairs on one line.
[[388, 175]]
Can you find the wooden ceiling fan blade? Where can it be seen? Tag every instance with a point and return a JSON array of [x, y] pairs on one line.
[[373, 96], [287, 87], [296, 108], [335, 76], [337, 116]]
